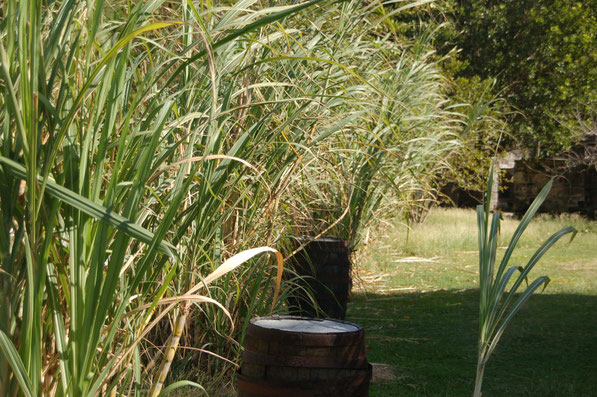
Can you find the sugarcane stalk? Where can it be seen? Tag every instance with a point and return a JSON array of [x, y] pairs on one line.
[[171, 347]]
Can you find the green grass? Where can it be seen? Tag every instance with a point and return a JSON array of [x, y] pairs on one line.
[[418, 300]]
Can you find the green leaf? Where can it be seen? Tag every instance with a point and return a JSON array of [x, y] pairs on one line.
[[180, 384], [534, 259], [524, 223], [90, 208], [501, 326], [11, 354]]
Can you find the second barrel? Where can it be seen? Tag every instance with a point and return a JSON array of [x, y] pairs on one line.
[[325, 265]]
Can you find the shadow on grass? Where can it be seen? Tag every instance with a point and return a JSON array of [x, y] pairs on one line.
[[549, 349]]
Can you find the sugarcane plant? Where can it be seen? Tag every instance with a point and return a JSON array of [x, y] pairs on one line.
[[110, 158], [392, 127], [497, 305]]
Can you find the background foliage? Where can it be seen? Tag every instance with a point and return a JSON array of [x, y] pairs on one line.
[[543, 56]]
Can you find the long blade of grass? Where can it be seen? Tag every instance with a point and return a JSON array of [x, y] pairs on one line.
[[19, 371], [492, 242], [234, 262], [92, 209], [532, 262], [524, 223], [179, 384], [497, 331]]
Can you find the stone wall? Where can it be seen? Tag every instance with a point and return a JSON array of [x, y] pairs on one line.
[[572, 191]]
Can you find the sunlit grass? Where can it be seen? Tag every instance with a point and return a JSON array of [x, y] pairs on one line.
[[452, 231], [419, 304], [444, 248]]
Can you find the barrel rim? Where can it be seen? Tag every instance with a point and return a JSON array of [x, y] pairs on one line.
[[324, 243], [359, 327], [322, 239]]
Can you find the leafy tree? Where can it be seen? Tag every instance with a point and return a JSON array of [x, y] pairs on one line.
[[543, 59], [543, 55]]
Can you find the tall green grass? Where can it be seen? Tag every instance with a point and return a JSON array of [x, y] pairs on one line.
[[123, 130], [394, 129]]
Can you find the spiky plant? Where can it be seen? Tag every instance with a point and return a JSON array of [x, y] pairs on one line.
[[498, 287]]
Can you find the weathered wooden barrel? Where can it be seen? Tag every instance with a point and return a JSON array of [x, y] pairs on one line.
[[326, 264], [290, 356]]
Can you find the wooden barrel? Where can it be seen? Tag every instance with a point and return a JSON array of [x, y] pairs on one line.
[[326, 264], [291, 356]]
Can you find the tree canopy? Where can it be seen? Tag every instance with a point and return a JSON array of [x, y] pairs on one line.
[[543, 56]]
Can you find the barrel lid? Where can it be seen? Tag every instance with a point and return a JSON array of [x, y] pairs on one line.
[[329, 244], [305, 324], [324, 239]]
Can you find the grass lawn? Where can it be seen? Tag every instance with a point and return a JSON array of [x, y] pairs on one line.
[[416, 296]]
